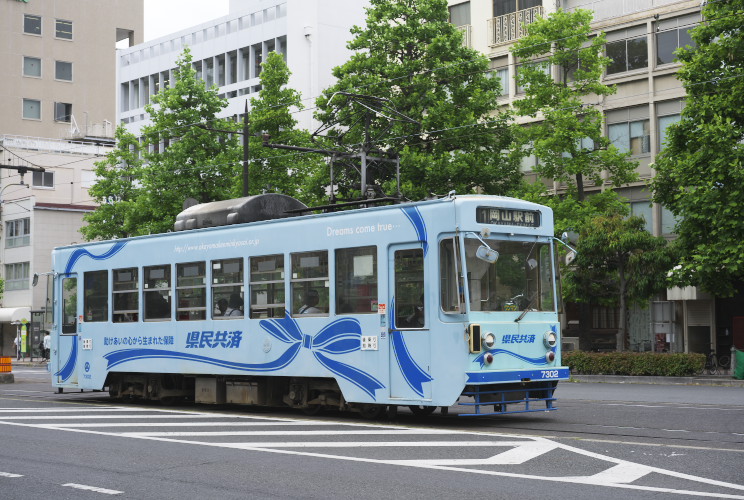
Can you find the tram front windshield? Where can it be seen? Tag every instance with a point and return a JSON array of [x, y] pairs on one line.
[[520, 279]]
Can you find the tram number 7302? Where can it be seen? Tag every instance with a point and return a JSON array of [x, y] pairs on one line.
[[549, 374]]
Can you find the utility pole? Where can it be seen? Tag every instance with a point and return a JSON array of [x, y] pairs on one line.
[[246, 145]]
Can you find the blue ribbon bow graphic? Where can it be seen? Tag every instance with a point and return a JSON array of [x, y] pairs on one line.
[[339, 337]]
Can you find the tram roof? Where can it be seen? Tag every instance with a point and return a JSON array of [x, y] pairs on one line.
[[470, 199]]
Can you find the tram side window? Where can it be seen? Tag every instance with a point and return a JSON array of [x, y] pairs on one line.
[[191, 291], [267, 286], [356, 280], [310, 283], [126, 295], [69, 305], [157, 293], [409, 289], [227, 288], [96, 296], [450, 276]]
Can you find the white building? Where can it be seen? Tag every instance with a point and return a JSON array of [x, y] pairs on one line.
[[311, 34]]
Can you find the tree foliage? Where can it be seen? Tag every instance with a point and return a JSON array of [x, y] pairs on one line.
[[568, 139], [619, 264], [187, 152], [116, 191], [410, 54], [700, 172], [198, 160], [272, 113]]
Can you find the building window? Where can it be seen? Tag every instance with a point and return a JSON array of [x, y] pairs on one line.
[[32, 24], [628, 50], [460, 14], [643, 209], [664, 122], [43, 179], [18, 233], [63, 71], [32, 109], [503, 75], [62, 112], [32, 66], [16, 276], [63, 29], [631, 136], [672, 34]]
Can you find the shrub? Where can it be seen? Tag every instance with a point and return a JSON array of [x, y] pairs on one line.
[[634, 363]]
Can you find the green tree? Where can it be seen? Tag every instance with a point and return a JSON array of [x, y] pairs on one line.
[[700, 171], [272, 112], [568, 140], [619, 264], [411, 55], [115, 192], [196, 160]]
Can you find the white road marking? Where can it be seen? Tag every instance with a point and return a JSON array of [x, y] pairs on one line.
[[620, 474], [93, 488], [286, 433], [184, 424], [10, 474]]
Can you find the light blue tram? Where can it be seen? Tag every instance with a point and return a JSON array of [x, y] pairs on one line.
[[419, 304]]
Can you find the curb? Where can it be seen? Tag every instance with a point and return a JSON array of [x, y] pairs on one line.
[[720, 381]]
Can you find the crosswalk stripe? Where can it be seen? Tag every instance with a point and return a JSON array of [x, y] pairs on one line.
[[286, 433]]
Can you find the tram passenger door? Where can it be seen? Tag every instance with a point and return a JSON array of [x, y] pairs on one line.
[[67, 340], [410, 339]]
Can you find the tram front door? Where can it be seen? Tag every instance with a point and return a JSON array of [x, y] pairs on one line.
[[410, 351], [67, 338]]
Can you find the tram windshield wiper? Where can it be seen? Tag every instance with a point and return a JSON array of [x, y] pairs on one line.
[[526, 309]]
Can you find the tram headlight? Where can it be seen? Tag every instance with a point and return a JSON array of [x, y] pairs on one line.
[[489, 339], [550, 356], [550, 339]]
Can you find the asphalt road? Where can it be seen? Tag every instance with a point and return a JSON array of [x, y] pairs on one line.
[[606, 440]]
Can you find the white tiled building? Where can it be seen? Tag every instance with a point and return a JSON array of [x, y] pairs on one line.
[[311, 34]]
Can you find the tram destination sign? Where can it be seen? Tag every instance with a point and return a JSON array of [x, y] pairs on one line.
[[507, 216]]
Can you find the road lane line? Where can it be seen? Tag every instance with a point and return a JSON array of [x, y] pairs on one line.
[[286, 433], [10, 474], [93, 488]]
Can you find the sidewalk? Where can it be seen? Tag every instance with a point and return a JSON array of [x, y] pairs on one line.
[[709, 380]]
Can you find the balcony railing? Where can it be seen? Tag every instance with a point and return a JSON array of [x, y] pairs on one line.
[[466, 35], [510, 27]]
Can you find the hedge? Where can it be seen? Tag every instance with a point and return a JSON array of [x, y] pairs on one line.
[[634, 363]]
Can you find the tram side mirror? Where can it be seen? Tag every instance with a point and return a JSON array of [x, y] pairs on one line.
[[35, 281], [487, 254]]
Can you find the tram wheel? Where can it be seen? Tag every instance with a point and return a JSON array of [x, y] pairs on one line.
[[371, 412], [422, 411], [312, 410]]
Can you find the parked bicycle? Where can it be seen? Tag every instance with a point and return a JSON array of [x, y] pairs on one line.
[[711, 363]]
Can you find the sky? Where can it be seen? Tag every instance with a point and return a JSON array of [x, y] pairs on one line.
[[163, 17]]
